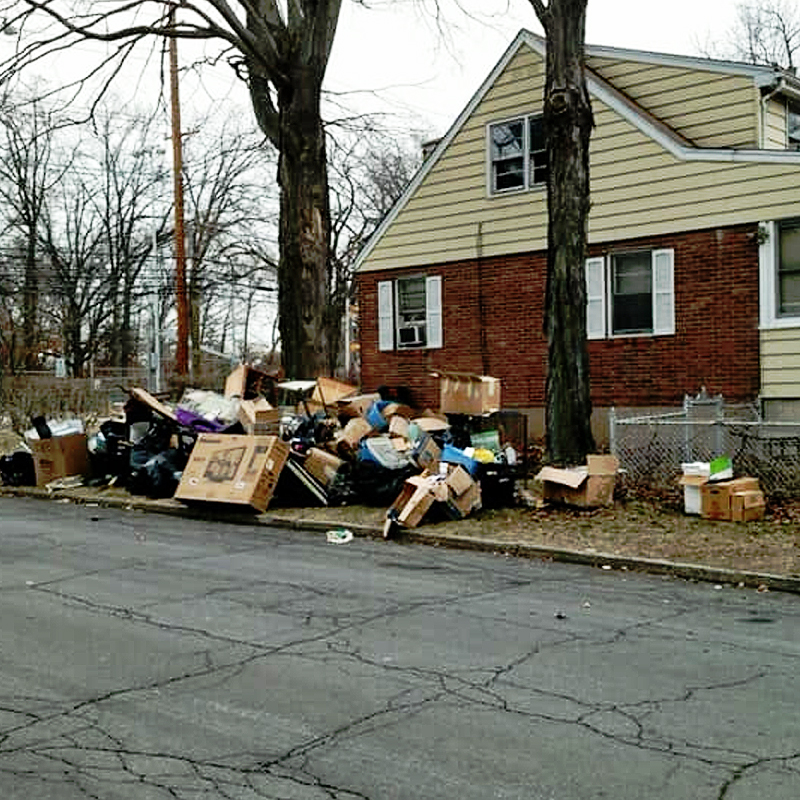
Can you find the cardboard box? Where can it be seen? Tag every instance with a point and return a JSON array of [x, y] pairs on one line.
[[248, 383], [458, 480], [469, 394], [715, 498], [327, 394], [356, 406], [585, 487], [259, 418], [431, 424], [426, 453], [144, 397], [355, 430], [463, 493], [413, 501], [464, 504], [240, 470], [398, 426], [59, 457], [322, 465], [747, 506]]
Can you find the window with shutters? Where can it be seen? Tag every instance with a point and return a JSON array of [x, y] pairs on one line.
[[410, 313], [630, 294]]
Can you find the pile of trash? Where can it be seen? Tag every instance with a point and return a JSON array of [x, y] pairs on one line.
[[296, 443]]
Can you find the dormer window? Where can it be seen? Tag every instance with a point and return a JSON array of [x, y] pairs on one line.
[[517, 154]]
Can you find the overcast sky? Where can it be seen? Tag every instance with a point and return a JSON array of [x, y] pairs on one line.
[[397, 52]]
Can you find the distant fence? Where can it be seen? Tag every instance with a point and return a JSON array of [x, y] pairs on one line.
[[41, 393], [651, 447]]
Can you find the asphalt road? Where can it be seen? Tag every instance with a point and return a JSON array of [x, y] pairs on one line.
[[144, 656]]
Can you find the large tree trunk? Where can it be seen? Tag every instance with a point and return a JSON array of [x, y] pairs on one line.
[[568, 122], [304, 228]]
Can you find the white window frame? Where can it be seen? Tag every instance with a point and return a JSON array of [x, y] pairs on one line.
[[528, 185], [598, 296], [792, 110], [388, 324], [768, 256]]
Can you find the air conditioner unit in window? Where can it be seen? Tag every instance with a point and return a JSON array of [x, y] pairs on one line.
[[411, 335]]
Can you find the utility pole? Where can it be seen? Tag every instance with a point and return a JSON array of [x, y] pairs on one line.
[[182, 345]]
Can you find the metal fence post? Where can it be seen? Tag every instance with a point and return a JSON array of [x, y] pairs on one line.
[[612, 431]]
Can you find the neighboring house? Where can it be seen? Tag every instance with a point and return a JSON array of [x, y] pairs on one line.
[[693, 269]]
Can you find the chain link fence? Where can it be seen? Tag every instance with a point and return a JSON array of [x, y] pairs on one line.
[[652, 447]]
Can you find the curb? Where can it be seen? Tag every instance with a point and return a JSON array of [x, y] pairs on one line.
[[686, 571]]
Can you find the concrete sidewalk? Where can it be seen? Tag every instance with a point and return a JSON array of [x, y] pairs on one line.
[[567, 537]]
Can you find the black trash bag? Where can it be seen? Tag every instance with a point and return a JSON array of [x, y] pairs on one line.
[[377, 485], [109, 453], [153, 443], [160, 475], [17, 469]]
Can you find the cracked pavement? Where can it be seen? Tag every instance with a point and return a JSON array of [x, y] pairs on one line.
[[144, 656]]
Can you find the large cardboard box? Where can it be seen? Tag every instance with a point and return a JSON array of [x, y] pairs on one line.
[[59, 457], [469, 394], [715, 498], [585, 487], [240, 470]]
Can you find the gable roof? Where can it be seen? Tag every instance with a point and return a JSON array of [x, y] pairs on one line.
[[764, 78]]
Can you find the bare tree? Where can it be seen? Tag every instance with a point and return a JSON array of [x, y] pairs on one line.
[[369, 170], [130, 179], [281, 50], [231, 222], [77, 279], [27, 174], [766, 32], [568, 124]]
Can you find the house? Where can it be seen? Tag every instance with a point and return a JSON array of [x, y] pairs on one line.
[[693, 269]]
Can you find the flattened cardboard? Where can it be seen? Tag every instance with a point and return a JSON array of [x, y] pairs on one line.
[[144, 397], [59, 457], [240, 470]]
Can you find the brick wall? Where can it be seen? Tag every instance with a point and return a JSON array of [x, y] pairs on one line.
[[715, 344]]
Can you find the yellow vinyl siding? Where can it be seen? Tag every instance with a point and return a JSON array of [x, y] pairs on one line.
[[638, 187], [708, 108], [780, 363], [775, 125]]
